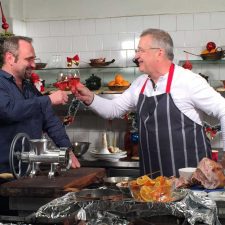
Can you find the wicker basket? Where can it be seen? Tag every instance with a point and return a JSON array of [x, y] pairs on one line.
[[118, 88]]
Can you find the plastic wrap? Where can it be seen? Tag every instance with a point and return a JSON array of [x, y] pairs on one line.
[[192, 208]]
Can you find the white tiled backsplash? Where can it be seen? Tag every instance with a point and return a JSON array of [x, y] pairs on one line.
[[116, 38]]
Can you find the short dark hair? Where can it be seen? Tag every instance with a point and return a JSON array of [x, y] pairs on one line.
[[161, 39], [11, 44]]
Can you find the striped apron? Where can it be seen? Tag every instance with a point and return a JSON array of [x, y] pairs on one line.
[[169, 140]]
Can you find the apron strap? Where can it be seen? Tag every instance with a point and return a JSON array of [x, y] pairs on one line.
[[169, 80], [170, 77], [143, 87]]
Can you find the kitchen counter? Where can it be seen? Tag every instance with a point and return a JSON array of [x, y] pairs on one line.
[[125, 167]]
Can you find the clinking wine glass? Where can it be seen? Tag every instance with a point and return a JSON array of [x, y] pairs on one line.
[[74, 80]]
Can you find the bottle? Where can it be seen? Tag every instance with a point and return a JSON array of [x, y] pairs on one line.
[[127, 142]]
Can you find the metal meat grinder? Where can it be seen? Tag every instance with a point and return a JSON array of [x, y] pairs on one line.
[[27, 154]]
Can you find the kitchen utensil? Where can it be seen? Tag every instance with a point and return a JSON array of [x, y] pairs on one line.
[[80, 147], [101, 64], [93, 82], [219, 54], [115, 180]]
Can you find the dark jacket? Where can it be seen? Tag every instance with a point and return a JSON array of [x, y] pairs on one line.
[[26, 111]]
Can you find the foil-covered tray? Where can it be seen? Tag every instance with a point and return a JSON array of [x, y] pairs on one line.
[[192, 208], [99, 194]]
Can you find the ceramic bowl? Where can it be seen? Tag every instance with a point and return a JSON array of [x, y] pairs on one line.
[[187, 172]]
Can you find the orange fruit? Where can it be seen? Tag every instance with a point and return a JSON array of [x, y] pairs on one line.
[[125, 83], [118, 83], [118, 78], [143, 180], [146, 193], [205, 51], [111, 83], [150, 183], [133, 183], [213, 50]]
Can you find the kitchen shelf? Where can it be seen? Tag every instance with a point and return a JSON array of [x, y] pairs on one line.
[[203, 61], [107, 73], [90, 67]]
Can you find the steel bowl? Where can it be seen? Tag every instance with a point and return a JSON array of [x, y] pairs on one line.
[[80, 148], [114, 180]]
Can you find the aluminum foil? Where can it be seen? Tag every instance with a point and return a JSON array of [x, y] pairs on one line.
[[192, 208]]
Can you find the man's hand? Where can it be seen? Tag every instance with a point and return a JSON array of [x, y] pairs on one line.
[[83, 94], [75, 163], [59, 97]]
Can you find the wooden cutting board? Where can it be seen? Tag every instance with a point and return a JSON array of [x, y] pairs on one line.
[[42, 186]]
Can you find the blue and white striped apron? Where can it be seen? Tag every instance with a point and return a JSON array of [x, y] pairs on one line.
[[169, 140]]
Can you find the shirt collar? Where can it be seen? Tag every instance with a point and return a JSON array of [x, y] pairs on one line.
[[11, 77], [7, 75]]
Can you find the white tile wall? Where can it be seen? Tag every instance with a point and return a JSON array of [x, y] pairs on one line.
[[185, 22], [150, 21], [117, 38], [202, 21], [168, 22], [103, 26]]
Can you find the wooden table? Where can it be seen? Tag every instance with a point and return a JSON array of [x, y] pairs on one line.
[[28, 194]]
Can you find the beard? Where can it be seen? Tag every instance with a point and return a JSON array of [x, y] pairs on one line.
[[27, 73]]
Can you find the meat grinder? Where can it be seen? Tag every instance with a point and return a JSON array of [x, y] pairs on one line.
[[27, 154]]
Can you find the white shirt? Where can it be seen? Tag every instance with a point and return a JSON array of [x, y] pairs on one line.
[[190, 92]]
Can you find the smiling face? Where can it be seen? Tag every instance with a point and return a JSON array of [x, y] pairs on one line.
[[147, 54], [24, 62], [20, 62]]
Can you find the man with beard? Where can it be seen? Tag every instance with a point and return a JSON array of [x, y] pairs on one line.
[[23, 109]]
